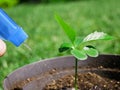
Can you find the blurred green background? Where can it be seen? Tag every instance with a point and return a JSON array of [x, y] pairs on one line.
[[45, 35]]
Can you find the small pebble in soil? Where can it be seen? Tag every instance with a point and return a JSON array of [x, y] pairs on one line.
[[96, 88], [100, 67]]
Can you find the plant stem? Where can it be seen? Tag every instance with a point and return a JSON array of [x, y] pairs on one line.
[[76, 73]]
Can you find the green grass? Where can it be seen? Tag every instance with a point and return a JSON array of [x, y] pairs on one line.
[[45, 35]]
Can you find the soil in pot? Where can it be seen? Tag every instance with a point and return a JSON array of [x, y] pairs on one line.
[[86, 81]]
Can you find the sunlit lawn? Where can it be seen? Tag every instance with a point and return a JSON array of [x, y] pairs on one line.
[[45, 35]]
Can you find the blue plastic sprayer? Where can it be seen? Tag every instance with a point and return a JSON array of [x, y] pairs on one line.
[[10, 31]]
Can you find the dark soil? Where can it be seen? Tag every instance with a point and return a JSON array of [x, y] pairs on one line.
[[86, 81]]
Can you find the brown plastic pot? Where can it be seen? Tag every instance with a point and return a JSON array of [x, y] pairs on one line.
[[38, 74]]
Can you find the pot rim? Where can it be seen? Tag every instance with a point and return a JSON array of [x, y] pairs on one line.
[[54, 58]]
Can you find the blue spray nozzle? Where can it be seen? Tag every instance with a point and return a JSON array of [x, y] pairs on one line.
[[10, 31]]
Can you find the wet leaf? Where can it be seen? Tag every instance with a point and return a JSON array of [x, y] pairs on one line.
[[91, 51], [80, 55], [97, 36]]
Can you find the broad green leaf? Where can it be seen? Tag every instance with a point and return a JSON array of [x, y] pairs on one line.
[[80, 55], [67, 29], [65, 47], [97, 36], [91, 51]]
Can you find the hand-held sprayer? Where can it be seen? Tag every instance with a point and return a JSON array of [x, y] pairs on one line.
[[10, 31]]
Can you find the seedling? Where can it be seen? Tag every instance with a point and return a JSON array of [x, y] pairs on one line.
[[78, 46]]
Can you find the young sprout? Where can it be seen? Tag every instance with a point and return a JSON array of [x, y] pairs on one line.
[[79, 47]]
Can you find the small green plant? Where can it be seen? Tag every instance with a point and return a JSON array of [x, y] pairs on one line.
[[78, 46]]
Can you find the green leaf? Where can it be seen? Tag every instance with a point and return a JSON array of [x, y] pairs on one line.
[[97, 36], [65, 47], [91, 51], [77, 41], [67, 29], [80, 55]]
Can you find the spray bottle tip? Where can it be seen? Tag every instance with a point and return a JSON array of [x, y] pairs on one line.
[[18, 38]]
